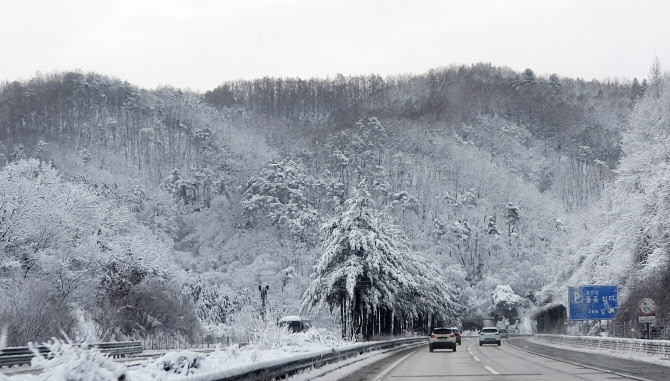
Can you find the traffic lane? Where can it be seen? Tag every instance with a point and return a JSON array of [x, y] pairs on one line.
[[472, 362], [615, 364], [438, 365], [372, 370], [512, 363]]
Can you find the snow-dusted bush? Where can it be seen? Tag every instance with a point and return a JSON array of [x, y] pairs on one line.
[[269, 342], [67, 361], [65, 247], [33, 310], [180, 362]]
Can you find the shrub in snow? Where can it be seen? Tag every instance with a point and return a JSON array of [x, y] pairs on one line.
[[180, 362], [266, 334], [72, 362], [269, 335], [271, 342], [314, 336]]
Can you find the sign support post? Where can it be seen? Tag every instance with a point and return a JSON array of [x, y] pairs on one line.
[[264, 295], [647, 309]]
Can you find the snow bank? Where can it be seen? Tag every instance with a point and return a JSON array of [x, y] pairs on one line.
[[272, 345], [72, 362]]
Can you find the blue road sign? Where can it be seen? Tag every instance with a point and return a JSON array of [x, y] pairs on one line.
[[593, 302]]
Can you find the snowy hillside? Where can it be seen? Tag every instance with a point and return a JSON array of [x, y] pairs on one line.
[[131, 213]]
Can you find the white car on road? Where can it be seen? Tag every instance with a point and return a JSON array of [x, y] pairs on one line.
[[442, 338], [489, 335]]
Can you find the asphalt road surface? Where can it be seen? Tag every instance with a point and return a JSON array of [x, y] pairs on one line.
[[492, 362]]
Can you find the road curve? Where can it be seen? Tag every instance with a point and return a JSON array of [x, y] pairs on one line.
[[490, 362]]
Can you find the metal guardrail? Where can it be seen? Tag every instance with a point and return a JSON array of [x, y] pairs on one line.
[[272, 370], [655, 348], [24, 355], [119, 349]]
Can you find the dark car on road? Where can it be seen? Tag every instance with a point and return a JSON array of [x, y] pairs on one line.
[[457, 332]]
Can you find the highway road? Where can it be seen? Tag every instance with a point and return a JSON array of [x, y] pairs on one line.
[[490, 362]]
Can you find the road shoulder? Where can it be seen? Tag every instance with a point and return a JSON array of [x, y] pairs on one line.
[[371, 371], [616, 365]]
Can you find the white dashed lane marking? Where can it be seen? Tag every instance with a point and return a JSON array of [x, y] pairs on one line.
[[490, 369]]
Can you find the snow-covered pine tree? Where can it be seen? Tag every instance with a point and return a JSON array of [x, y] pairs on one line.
[[370, 275], [512, 216], [491, 227], [281, 194]]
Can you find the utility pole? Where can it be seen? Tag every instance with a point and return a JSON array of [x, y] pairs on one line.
[[264, 295]]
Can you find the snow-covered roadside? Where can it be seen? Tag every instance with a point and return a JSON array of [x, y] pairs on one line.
[[73, 363], [629, 355], [233, 360]]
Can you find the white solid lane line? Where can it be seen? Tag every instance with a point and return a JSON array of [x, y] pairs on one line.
[[476, 358], [490, 369], [390, 368]]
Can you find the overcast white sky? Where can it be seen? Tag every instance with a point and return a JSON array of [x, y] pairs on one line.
[[202, 43]]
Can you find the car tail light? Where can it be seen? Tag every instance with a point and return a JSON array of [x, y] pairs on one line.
[[432, 336], [452, 335], [457, 334]]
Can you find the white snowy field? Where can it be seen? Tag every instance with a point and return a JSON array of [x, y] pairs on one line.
[[72, 362]]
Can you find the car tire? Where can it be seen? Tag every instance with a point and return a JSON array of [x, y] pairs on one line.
[[454, 348], [480, 343], [431, 348], [499, 342]]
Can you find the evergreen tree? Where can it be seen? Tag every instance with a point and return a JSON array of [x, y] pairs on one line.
[[491, 227], [656, 77], [512, 217], [554, 82], [529, 76], [17, 153], [636, 90], [369, 274]]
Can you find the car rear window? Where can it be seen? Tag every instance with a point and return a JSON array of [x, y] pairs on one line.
[[489, 330], [441, 331]]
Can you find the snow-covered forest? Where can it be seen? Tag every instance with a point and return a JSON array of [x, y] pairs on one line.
[[382, 203], [623, 239]]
